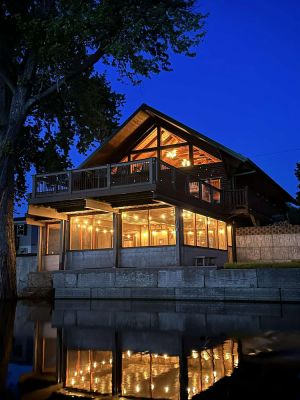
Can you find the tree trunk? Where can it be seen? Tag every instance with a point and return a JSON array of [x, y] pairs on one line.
[[7, 235], [7, 317]]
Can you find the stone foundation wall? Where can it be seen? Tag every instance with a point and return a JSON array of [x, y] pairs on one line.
[[268, 243], [180, 283], [25, 265]]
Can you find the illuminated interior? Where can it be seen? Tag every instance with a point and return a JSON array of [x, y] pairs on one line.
[[203, 231], [150, 375], [94, 231], [170, 148], [89, 370], [149, 227], [208, 366]]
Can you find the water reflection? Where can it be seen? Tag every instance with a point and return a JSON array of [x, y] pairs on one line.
[[141, 349]]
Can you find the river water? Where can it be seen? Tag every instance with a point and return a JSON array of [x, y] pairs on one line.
[[149, 349]]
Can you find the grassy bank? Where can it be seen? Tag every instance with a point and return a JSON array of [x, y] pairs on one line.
[[256, 264]]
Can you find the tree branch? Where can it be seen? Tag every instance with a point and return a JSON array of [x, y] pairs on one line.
[[91, 60], [7, 81]]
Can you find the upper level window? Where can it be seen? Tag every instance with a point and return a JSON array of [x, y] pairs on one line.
[[148, 142], [170, 148], [167, 138], [202, 157]]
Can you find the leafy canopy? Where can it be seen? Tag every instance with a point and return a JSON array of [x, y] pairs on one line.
[[297, 173], [51, 47]]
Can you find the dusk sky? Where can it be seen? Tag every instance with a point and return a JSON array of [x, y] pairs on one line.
[[243, 87]]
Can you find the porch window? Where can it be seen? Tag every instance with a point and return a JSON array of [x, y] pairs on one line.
[[209, 194], [53, 239], [222, 235], [150, 227], [212, 225], [189, 228], [202, 231], [91, 232]]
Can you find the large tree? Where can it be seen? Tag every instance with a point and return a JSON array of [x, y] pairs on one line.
[[54, 92]]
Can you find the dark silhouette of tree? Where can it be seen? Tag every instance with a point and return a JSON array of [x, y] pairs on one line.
[[7, 318], [297, 173], [51, 95]]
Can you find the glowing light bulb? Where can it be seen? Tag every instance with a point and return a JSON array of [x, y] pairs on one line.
[[163, 216], [129, 353], [111, 231], [97, 229], [96, 380], [135, 217], [194, 354], [167, 389], [78, 226], [76, 219], [104, 230], [95, 365], [152, 386], [190, 232], [90, 228], [165, 356], [75, 373], [155, 355], [154, 233], [137, 388], [82, 378]]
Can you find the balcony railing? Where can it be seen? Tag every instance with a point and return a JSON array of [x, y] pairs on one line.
[[169, 179]]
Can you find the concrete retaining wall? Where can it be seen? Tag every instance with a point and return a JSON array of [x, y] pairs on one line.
[[90, 259], [148, 257], [279, 242], [268, 247], [185, 283], [25, 265], [189, 252]]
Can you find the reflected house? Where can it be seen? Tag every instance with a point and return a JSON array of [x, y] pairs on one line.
[[155, 183], [189, 369]]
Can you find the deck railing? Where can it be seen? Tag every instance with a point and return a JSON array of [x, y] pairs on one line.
[[147, 171]]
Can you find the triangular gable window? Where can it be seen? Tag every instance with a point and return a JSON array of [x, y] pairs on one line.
[[168, 138], [149, 141], [202, 157]]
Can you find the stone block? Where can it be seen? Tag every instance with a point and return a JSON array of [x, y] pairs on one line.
[[248, 254], [286, 240], [266, 253], [200, 294], [231, 278], [70, 280], [69, 318], [252, 294], [279, 278], [72, 293], [189, 277], [290, 295], [110, 293], [152, 293], [125, 278], [96, 279], [58, 280]]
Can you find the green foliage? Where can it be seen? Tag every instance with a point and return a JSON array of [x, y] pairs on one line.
[[257, 264], [48, 53], [293, 215]]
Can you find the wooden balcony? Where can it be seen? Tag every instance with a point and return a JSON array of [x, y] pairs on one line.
[[148, 175]]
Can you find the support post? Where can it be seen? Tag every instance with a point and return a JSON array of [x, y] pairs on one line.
[[234, 254], [62, 240], [179, 235], [40, 252], [117, 238]]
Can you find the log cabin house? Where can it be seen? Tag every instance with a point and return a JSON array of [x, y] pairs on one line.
[[154, 194]]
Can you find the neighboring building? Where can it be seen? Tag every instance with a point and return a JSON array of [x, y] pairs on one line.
[[155, 194], [26, 237]]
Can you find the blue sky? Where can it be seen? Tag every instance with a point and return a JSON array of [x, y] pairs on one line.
[[243, 87]]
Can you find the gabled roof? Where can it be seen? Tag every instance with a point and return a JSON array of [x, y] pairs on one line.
[[145, 113]]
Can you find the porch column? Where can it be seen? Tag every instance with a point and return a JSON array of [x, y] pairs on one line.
[[40, 247], [179, 235], [117, 238], [62, 239]]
